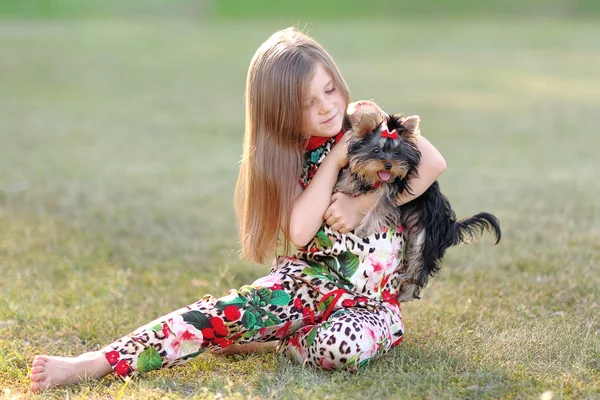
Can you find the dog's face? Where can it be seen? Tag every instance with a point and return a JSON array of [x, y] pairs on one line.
[[382, 150]]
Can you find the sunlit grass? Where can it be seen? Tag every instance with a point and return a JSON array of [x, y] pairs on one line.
[[119, 149]]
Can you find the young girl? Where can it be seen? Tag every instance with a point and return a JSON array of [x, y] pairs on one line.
[[332, 305]]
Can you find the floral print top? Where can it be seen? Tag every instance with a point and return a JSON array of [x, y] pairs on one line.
[[370, 265]]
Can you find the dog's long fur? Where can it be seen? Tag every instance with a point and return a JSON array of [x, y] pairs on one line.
[[386, 163]]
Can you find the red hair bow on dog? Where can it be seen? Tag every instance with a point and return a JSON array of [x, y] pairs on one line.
[[391, 135]]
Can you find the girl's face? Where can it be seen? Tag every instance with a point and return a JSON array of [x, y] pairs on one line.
[[324, 108]]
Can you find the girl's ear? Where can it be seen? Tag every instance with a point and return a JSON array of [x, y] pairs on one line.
[[412, 123], [367, 124]]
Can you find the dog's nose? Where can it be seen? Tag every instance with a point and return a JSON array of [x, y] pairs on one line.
[[388, 166]]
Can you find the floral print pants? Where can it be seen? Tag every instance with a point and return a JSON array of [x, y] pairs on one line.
[[316, 317]]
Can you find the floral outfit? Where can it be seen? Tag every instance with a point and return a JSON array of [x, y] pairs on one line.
[[333, 305]]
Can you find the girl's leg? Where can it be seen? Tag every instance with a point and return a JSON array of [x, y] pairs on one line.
[[349, 339], [269, 309]]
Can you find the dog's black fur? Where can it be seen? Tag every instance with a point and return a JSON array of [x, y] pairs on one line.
[[387, 163]]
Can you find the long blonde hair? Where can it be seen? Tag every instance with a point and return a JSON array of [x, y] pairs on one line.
[[278, 80]]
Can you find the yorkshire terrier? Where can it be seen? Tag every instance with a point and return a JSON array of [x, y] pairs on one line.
[[383, 156]]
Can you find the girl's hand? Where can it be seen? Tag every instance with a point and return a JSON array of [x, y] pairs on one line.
[[344, 213], [339, 153]]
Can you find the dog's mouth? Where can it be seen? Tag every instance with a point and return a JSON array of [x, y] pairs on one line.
[[384, 175]]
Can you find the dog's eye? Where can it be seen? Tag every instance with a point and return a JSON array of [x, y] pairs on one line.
[[376, 151], [396, 153]]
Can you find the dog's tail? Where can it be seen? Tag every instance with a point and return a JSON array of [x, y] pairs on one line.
[[469, 228]]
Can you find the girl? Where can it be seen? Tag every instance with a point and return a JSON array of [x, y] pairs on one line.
[[333, 304]]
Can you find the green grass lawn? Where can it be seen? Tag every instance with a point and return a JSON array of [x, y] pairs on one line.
[[119, 149]]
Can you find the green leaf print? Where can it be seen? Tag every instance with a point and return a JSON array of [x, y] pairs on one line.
[[195, 354], [156, 328], [323, 306], [280, 298], [322, 239], [249, 319], [313, 272], [348, 264], [272, 320], [311, 336], [197, 319], [264, 293], [149, 360], [239, 302], [249, 334], [353, 360], [391, 232], [316, 266], [316, 154], [331, 262], [247, 290]]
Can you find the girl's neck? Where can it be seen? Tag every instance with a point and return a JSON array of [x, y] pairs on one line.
[[315, 141]]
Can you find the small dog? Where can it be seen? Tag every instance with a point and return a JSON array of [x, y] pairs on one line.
[[383, 156]]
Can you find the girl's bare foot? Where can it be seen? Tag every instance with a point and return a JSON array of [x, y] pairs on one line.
[[47, 371]]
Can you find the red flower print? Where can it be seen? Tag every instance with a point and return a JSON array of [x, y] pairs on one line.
[[306, 311], [221, 331], [389, 297], [122, 368], [222, 342], [276, 286], [112, 357], [165, 330], [284, 330], [385, 280], [294, 341], [298, 304], [326, 364], [184, 338], [386, 295], [377, 266], [348, 303], [208, 333], [312, 170], [361, 299], [216, 321], [232, 313], [309, 315]]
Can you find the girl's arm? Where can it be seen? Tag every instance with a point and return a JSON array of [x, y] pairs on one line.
[[430, 168], [311, 203], [345, 213]]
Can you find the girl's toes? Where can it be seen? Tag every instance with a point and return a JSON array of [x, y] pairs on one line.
[[37, 369], [37, 377], [35, 387], [39, 360]]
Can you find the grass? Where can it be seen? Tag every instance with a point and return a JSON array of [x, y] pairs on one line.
[[119, 144]]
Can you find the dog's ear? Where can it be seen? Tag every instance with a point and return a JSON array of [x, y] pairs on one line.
[[367, 124], [412, 123]]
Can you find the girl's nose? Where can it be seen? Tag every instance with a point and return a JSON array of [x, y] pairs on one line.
[[326, 106]]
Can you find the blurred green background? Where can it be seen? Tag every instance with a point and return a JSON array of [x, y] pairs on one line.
[[394, 9], [121, 125]]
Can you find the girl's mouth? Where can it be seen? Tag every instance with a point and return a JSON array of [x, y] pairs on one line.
[[330, 119]]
